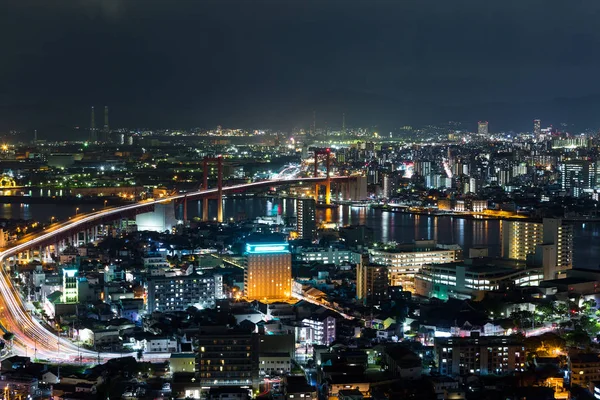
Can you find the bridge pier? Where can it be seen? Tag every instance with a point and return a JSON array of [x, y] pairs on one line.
[[327, 153], [219, 161], [328, 179]]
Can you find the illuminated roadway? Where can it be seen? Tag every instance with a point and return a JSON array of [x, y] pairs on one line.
[[34, 339]]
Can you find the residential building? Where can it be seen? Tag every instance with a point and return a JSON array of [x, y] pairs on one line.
[[479, 355], [548, 244], [296, 387], [226, 358], [182, 362], [584, 368], [268, 271], [178, 293], [274, 364], [371, 282], [306, 224], [402, 362], [318, 329]]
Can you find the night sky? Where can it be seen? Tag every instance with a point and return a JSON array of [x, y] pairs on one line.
[[186, 63]]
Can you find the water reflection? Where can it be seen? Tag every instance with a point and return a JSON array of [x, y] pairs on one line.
[[386, 226]]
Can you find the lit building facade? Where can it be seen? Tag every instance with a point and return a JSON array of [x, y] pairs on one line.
[[537, 128], [552, 238], [306, 224], [320, 330], [226, 359], [267, 271], [371, 282], [404, 261], [482, 127], [329, 256], [576, 176], [459, 280], [178, 293], [458, 356], [70, 292]]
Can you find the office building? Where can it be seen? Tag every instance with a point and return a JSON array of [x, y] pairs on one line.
[[371, 282], [463, 280], [404, 261], [267, 271], [548, 244], [226, 358], [306, 224], [482, 127], [178, 293], [460, 356]]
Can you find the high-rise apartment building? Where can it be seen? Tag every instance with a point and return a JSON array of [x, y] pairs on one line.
[[371, 281], [179, 292], [306, 224], [268, 271], [423, 168], [549, 243], [482, 127], [537, 128]]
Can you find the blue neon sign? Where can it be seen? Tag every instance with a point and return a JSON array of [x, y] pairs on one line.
[[267, 248]]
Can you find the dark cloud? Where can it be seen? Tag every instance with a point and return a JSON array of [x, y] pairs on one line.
[[199, 63]]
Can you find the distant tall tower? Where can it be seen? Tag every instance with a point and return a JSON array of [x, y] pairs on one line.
[[537, 127], [93, 137], [35, 136], [105, 118], [344, 123], [314, 123], [482, 127], [106, 129]]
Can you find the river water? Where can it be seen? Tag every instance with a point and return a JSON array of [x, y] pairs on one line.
[[386, 226]]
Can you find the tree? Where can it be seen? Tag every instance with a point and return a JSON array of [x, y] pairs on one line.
[[546, 311], [522, 319], [8, 338], [588, 307], [578, 338]]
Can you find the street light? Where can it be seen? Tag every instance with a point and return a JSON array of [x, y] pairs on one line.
[[76, 210], [52, 219], [105, 201]]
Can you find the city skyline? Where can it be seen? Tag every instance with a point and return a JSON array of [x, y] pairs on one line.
[[384, 64]]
